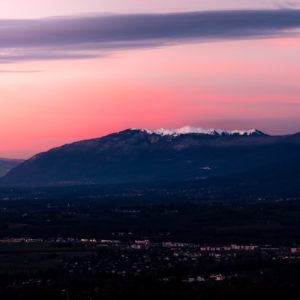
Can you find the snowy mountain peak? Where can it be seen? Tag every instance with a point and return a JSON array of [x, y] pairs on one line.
[[204, 131]]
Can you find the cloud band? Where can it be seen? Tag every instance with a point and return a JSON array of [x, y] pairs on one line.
[[89, 36]]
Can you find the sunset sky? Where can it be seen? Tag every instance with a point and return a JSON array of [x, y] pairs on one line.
[[78, 69]]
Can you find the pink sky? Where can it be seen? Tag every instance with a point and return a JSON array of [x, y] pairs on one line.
[[229, 84], [37, 8]]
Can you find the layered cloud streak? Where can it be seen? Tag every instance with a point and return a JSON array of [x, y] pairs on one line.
[[91, 36]]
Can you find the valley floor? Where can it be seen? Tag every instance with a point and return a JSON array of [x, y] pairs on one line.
[[81, 244]]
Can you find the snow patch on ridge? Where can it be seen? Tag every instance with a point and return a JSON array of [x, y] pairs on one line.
[[199, 130]]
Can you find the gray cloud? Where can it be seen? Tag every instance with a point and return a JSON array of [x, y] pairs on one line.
[[286, 4], [90, 36]]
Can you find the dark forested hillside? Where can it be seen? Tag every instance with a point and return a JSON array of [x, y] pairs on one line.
[[133, 156]]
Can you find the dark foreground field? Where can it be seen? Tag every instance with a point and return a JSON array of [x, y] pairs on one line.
[[79, 270], [127, 213], [147, 243]]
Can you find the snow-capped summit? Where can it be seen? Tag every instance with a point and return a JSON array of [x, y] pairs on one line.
[[199, 130]]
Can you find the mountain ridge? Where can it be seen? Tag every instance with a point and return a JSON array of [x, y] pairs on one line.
[[141, 155], [200, 130]]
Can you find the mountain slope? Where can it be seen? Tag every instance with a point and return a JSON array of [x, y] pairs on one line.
[[136, 155], [7, 164]]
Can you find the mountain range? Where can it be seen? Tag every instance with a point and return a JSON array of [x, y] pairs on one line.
[[185, 154]]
